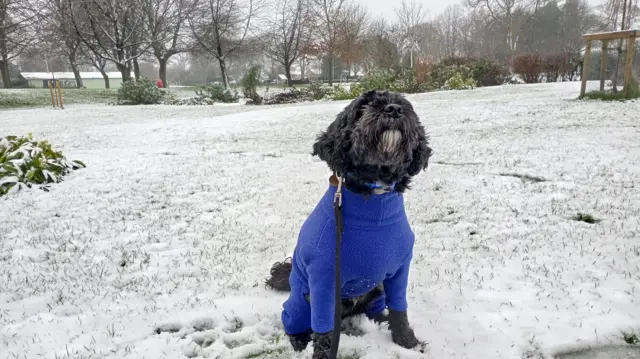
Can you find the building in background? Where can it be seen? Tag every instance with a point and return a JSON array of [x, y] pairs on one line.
[[91, 80]]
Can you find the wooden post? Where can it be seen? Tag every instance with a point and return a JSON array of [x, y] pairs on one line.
[[53, 99], [585, 69], [631, 49], [604, 54], [60, 94]]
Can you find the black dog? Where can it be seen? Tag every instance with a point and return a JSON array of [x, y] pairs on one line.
[[376, 144]]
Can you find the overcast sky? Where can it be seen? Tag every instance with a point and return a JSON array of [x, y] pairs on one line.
[[385, 8]]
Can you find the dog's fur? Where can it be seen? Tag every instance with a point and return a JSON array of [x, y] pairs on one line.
[[377, 138]]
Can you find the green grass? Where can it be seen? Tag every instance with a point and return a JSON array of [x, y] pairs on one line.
[[25, 98], [632, 93]]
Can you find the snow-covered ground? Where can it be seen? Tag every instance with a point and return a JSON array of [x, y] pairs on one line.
[[159, 248]]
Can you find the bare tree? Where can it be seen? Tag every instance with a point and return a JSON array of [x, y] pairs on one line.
[[380, 49], [410, 16], [112, 30], [61, 37], [328, 14], [98, 62], [619, 15], [506, 14], [167, 30], [352, 27], [220, 27], [449, 24], [578, 19], [288, 27], [16, 32]]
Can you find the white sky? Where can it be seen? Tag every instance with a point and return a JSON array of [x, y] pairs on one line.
[[385, 8]]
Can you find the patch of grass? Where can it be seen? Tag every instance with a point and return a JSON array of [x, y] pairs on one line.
[[632, 93], [611, 96], [587, 218], [267, 353], [26, 98], [524, 177]]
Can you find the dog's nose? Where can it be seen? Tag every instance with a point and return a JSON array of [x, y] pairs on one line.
[[393, 110]]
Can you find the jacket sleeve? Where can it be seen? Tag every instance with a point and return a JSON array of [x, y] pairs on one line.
[[395, 286], [318, 259], [322, 296]]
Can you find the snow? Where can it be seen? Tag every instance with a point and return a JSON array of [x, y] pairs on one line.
[[159, 248]]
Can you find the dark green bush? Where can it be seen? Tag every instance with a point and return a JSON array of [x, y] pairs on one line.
[[25, 162], [140, 92], [484, 72], [217, 93], [396, 80]]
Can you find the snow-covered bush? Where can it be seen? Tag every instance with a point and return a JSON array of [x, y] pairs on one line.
[[140, 92], [250, 83], [395, 80], [457, 82], [341, 93], [25, 162], [217, 93]]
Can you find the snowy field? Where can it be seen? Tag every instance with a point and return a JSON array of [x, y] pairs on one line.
[[159, 248]]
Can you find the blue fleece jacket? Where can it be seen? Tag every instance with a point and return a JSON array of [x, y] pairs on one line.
[[377, 246]]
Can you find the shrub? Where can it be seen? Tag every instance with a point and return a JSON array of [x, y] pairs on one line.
[[217, 93], [292, 95], [141, 92], [250, 83], [340, 93], [556, 66], [317, 91], [25, 162], [484, 72], [442, 72], [529, 67], [402, 80], [457, 82]]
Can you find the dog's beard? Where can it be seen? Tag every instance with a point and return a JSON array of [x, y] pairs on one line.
[[390, 141]]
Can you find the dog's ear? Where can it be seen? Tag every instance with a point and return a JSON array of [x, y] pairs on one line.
[[333, 145], [421, 154]]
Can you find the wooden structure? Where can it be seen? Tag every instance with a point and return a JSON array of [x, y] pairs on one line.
[[606, 37]]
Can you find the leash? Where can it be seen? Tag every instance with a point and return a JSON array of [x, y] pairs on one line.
[[337, 209]]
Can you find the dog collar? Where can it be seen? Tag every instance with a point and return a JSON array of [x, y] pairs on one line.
[[378, 187]]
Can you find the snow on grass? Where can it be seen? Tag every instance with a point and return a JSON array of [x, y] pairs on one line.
[[159, 248]]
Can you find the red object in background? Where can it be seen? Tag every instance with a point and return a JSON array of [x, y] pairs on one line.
[[160, 84]]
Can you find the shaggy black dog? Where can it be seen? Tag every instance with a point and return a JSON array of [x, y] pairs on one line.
[[377, 145]]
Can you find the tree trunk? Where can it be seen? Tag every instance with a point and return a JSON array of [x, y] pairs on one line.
[[331, 65], [136, 69], [125, 71], [287, 70], [76, 74], [4, 71], [223, 73], [107, 85], [162, 73], [76, 71]]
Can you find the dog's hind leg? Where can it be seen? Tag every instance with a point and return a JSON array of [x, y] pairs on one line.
[[280, 272]]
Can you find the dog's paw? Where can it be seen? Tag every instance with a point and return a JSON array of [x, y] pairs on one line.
[[321, 345], [406, 339], [299, 342], [401, 332]]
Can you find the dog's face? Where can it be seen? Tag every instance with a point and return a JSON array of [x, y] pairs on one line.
[[376, 138]]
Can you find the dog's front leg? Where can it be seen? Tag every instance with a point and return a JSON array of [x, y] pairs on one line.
[[322, 299], [395, 288]]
